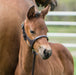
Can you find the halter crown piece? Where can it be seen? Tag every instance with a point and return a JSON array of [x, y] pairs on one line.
[[31, 44]]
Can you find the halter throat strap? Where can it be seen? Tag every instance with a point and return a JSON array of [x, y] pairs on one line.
[[31, 41]]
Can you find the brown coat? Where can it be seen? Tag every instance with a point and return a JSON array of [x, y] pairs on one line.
[[12, 14]]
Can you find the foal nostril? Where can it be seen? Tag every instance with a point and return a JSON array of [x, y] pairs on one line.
[[47, 53]]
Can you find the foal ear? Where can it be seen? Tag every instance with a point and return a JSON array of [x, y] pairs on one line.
[[45, 11], [31, 12]]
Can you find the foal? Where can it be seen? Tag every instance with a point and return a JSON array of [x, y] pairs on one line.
[[59, 63]]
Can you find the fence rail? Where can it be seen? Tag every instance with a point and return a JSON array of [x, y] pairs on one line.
[[62, 13], [69, 45], [60, 23], [61, 34]]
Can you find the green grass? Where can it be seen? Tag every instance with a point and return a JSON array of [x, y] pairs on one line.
[[61, 18], [63, 39], [71, 49], [74, 65], [62, 29]]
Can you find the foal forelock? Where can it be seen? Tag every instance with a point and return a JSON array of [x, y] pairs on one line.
[[37, 15]]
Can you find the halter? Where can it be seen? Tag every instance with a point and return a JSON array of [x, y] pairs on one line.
[[31, 44], [31, 41]]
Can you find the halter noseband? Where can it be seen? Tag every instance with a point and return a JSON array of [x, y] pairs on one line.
[[31, 41]]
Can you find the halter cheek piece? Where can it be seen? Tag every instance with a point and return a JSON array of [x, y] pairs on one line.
[[31, 44], [31, 41]]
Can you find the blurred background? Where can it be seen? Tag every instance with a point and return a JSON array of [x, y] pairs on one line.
[[66, 5], [61, 25]]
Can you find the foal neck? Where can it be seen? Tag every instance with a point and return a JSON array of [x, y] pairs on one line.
[[26, 58]]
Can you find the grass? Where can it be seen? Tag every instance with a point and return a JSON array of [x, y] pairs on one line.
[[62, 29], [63, 39], [71, 49], [74, 65], [61, 18]]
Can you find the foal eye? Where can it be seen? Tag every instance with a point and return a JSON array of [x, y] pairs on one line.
[[32, 31]]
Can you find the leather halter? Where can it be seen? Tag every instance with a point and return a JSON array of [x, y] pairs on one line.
[[31, 41]]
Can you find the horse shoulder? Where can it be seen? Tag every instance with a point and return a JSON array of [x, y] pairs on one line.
[[65, 57]]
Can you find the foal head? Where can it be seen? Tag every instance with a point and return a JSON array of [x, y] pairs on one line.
[[34, 27]]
